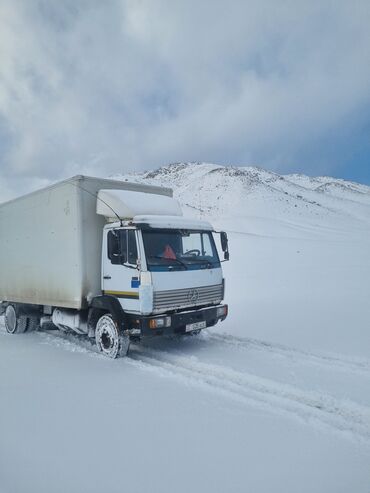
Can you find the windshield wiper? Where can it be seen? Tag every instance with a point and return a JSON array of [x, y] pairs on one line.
[[174, 259]]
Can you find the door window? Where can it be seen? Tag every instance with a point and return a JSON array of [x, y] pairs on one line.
[[122, 246], [131, 247], [114, 247]]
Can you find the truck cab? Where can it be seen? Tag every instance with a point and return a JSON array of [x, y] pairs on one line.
[[166, 274]]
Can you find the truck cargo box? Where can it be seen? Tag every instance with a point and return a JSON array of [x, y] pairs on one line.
[[50, 242]]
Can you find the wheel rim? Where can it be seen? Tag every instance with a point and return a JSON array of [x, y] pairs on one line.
[[106, 340], [10, 319], [106, 336]]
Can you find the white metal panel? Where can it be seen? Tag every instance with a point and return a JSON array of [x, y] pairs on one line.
[[127, 204], [39, 248], [182, 279]]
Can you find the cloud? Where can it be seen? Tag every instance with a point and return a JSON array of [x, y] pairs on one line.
[[103, 87]]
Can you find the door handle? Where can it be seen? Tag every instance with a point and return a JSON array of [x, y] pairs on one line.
[[107, 277]]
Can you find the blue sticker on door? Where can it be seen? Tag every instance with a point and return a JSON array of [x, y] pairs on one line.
[[135, 282]]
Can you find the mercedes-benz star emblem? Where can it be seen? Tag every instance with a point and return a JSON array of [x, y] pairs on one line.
[[193, 296]]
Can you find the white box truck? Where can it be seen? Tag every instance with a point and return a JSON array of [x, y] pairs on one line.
[[112, 260]]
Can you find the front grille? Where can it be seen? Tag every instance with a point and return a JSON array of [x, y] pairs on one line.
[[183, 298]]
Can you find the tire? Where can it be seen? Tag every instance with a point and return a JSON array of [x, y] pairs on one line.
[[109, 337], [33, 324], [14, 323]]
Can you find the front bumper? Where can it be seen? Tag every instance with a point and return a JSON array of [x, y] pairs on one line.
[[141, 326]]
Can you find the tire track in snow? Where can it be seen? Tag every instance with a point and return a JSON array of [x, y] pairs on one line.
[[344, 416], [334, 362]]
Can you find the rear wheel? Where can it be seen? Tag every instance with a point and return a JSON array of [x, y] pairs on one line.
[[15, 323], [33, 324], [109, 337]]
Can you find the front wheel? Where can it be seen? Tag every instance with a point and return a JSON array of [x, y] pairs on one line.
[[109, 337]]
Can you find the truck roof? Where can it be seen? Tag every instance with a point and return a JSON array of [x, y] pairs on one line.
[[165, 222]]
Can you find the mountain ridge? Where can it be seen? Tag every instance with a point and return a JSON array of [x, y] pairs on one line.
[[250, 196]]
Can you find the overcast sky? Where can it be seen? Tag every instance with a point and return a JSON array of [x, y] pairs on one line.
[[101, 87]]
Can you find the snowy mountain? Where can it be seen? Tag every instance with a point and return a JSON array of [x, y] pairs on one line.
[[258, 197]]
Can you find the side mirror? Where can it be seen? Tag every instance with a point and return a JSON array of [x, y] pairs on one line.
[[225, 245], [224, 241]]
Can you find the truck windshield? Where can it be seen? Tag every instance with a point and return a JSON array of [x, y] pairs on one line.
[[174, 249]]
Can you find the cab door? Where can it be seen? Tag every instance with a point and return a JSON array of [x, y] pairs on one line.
[[120, 267]]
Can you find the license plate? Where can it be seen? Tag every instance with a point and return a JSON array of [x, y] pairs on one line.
[[196, 326]]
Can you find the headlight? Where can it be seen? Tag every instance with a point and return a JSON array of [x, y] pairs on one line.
[[157, 323], [222, 311]]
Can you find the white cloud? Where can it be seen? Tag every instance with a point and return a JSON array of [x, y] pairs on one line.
[[102, 87]]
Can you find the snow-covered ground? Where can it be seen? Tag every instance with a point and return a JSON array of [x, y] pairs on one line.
[[276, 398]]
